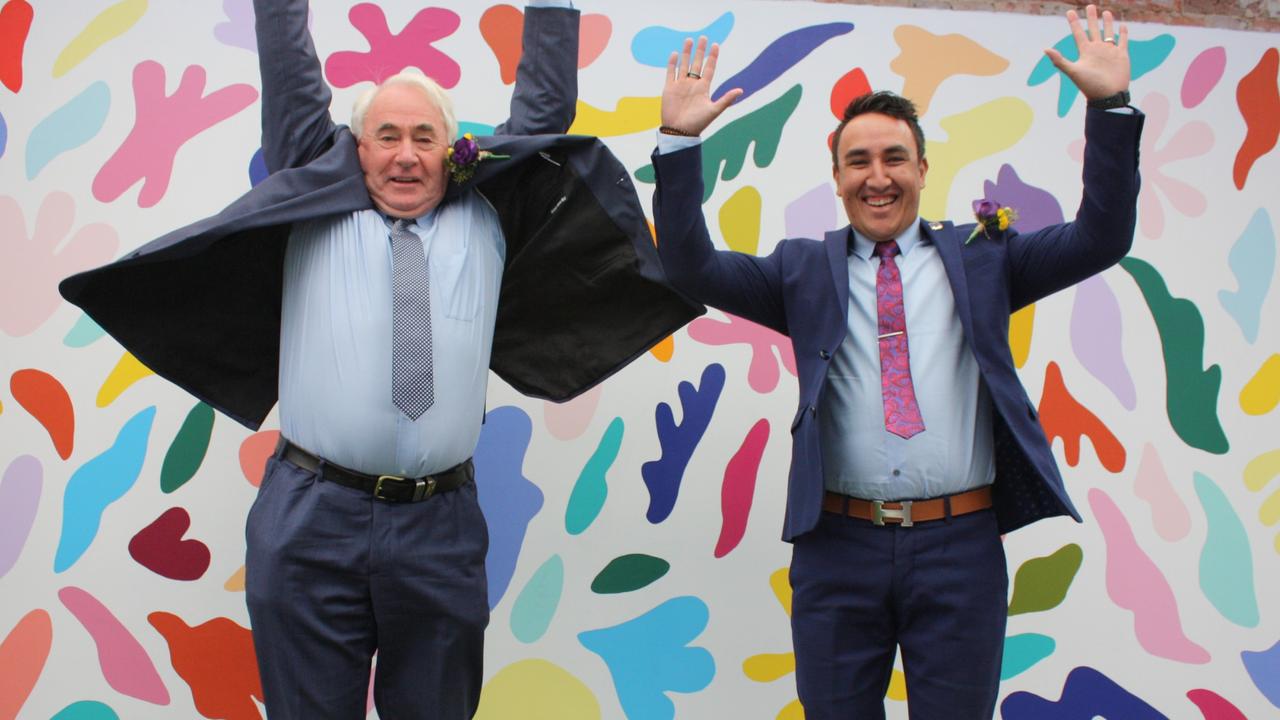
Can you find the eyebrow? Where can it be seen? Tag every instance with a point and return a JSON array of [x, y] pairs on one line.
[[863, 152], [421, 127]]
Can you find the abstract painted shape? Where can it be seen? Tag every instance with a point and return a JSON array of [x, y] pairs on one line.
[[48, 402], [1136, 584], [98, 483], [649, 656], [1191, 140], [654, 44], [739, 487], [509, 500], [537, 689], [22, 657], [84, 333], [160, 548], [217, 662], [630, 115], [1144, 56], [68, 127], [768, 667], [388, 54], [1062, 416], [35, 263], [974, 134], [1226, 561], [1169, 514], [1191, 390], [235, 583], [536, 604], [1097, 334], [104, 27], [664, 349], [663, 476], [1203, 75], [162, 125], [15, 23], [740, 220], [1258, 96], [627, 573], [594, 31], [257, 168], [183, 458], [763, 373], [1213, 706], [592, 488], [568, 420], [20, 488], [922, 73], [1022, 652], [86, 710], [1037, 208], [237, 29], [125, 664], [1264, 669], [126, 372], [1087, 693], [1041, 583], [812, 214], [780, 56], [4, 135], [1262, 393], [1253, 261], [254, 452], [501, 27]]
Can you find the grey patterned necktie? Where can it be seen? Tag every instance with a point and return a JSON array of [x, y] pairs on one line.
[[412, 389]]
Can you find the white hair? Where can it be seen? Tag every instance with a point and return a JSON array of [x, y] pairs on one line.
[[430, 88]]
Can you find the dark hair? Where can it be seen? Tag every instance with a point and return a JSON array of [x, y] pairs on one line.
[[884, 103]]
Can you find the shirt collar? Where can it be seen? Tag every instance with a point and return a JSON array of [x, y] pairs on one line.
[[862, 246]]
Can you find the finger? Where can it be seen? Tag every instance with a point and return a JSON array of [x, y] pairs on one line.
[[1108, 26], [671, 66], [727, 99], [684, 56], [1077, 32], [709, 67], [1123, 42], [1091, 12], [1057, 59], [697, 59]]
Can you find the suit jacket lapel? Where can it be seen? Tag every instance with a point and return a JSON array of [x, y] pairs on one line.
[[946, 240], [837, 243]]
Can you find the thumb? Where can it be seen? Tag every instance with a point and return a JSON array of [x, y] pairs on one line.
[[727, 99]]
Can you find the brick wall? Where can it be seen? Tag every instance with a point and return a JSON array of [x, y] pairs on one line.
[[1259, 15]]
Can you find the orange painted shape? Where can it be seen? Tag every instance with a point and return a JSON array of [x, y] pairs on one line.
[[216, 660], [15, 22], [48, 402], [500, 26], [254, 452], [593, 37], [921, 71], [1062, 416], [22, 657], [1258, 96]]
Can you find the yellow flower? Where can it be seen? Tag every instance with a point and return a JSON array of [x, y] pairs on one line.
[[1005, 217]]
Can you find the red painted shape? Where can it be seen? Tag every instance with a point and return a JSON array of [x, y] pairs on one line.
[[254, 452], [15, 22], [500, 26], [738, 489], [1061, 415], [22, 657], [159, 547], [1214, 707], [1258, 96], [48, 402], [216, 660], [853, 84], [593, 37]]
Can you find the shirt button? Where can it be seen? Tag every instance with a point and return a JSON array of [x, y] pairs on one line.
[[897, 473], [824, 354]]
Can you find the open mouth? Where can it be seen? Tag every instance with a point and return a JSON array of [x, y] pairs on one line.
[[404, 180], [880, 201]]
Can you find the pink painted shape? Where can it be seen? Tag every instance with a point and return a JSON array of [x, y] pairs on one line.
[[593, 37], [1168, 513], [763, 374], [19, 499], [569, 420], [1136, 584], [1213, 706], [389, 54], [739, 488], [161, 125], [255, 450], [1096, 333], [34, 264], [1203, 75], [125, 665]]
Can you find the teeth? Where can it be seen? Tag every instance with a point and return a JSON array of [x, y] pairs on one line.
[[879, 203]]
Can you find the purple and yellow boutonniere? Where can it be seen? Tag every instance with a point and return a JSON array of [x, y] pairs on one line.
[[990, 217], [464, 157]]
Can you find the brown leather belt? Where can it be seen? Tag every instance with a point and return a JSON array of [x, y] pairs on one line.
[[908, 512], [391, 488]]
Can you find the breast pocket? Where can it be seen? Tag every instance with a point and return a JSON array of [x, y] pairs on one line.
[[461, 285]]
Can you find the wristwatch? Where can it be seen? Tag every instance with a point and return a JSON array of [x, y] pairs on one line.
[[1119, 100]]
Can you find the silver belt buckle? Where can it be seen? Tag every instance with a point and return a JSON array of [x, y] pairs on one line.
[[422, 489], [879, 513]]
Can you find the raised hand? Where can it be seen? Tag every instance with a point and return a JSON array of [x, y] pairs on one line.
[[1103, 67], [686, 97]]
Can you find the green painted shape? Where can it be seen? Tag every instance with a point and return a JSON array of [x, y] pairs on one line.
[[536, 605], [1022, 652], [187, 451], [629, 572], [1042, 583], [591, 489], [1226, 562], [1191, 390], [728, 147]]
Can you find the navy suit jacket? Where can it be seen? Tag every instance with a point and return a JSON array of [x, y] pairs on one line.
[[582, 293], [802, 290]]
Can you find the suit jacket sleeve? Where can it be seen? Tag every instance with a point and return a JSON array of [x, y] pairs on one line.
[[296, 125], [545, 97]]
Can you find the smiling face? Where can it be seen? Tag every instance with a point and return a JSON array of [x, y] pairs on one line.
[[879, 175], [402, 151]]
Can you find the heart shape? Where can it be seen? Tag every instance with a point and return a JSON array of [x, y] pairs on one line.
[[159, 547]]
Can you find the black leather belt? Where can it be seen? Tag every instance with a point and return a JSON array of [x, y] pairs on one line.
[[391, 488]]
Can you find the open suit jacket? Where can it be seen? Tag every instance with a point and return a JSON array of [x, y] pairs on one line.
[[802, 290], [582, 292]]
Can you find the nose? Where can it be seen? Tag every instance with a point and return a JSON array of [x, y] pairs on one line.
[[404, 152], [877, 177]]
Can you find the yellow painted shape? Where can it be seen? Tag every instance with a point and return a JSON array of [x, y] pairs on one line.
[[1261, 469], [1277, 544], [767, 667], [781, 584], [793, 711], [1262, 393], [536, 690], [664, 349], [897, 686], [126, 372], [920, 66], [109, 24], [971, 135], [740, 220], [1269, 513], [1021, 325], [632, 115], [235, 583]]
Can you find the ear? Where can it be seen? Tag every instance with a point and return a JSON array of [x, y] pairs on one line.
[[835, 175], [924, 170]]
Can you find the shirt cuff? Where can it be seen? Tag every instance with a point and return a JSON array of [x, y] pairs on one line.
[[672, 143], [549, 4]]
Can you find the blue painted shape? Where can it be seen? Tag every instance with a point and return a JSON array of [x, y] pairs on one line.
[[68, 127], [591, 489], [648, 656], [1226, 562], [1264, 669], [1144, 56], [653, 45], [1253, 262], [780, 56], [86, 710], [4, 135], [509, 500], [475, 128], [83, 333], [1087, 693], [97, 484], [663, 476], [536, 604], [257, 168], [1022, 652]]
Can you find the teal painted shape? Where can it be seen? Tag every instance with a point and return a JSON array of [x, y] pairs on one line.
[[86, 710], [653, 45], [475, 128], [98, 483], [1022, 652], [536, 605], [85, 332], [68, 127], [589, 492], [1253, 262], [1226, 561], [1144, 56]]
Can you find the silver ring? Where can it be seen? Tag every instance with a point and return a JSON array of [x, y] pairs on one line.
[[1108, 39], [694, 75]]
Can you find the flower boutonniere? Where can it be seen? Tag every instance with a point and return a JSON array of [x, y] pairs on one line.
[[990, 217], [464, 157]]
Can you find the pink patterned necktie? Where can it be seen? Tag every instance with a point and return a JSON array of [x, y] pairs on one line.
[[901, 413]]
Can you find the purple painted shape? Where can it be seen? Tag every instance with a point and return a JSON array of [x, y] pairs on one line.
[[780, 56], [19, 499], [1036, 208], [663, 476], [507, 498], [1264, 669], [1087, 693], [237, 31], [812, 214], [1203, 75], [1096, 334]]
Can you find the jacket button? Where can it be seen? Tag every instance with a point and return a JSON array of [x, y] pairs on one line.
[[813, 410], [824, 354]]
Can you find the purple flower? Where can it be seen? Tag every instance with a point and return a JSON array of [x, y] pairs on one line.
[[985, 210], [465, 151]]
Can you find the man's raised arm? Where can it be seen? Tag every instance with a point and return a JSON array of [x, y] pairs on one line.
[[296, 125], [545, 97]]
